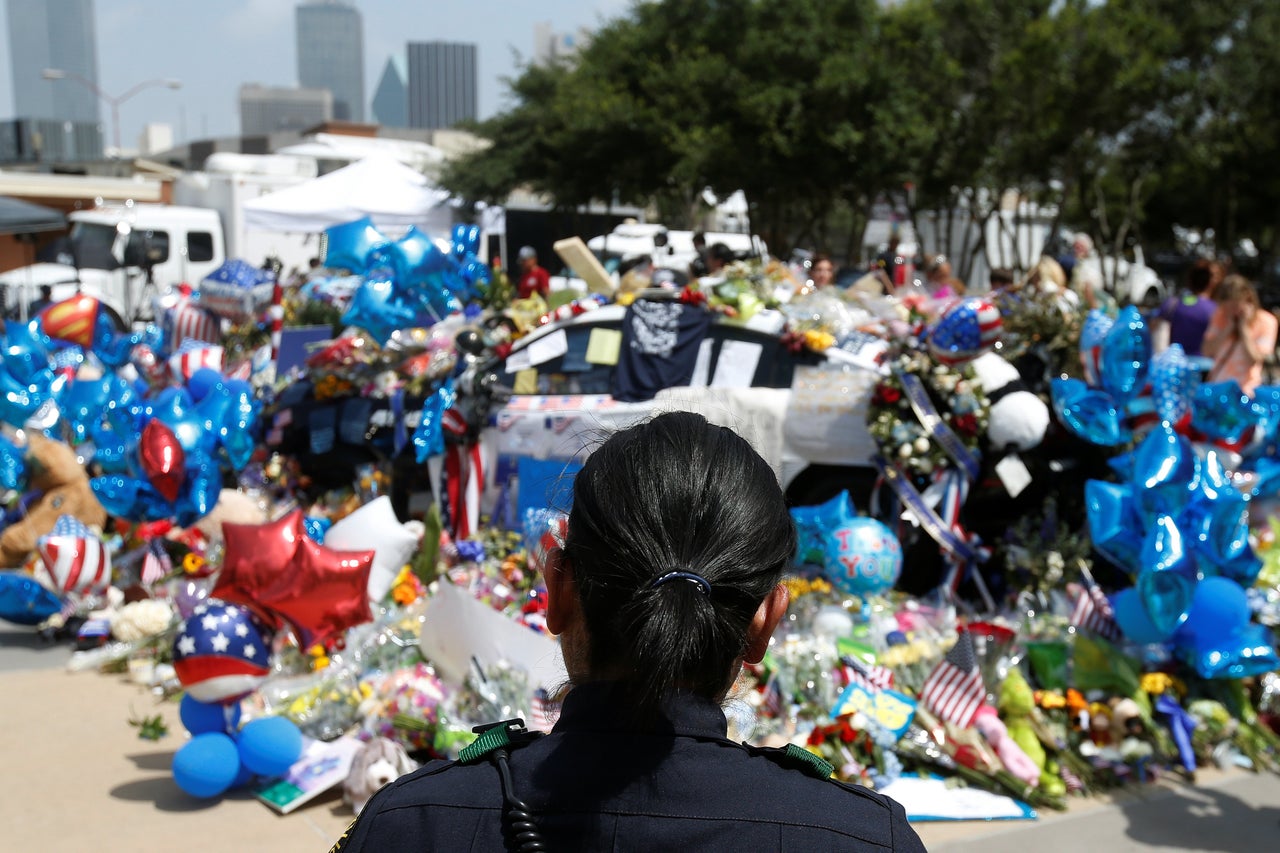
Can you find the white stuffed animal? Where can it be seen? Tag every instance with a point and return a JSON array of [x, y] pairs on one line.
[[1018, 419], [378, 763]]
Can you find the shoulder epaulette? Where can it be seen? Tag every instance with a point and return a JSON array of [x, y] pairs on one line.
[[796, 758]]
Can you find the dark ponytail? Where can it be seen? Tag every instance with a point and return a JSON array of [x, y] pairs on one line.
[[675, 494]]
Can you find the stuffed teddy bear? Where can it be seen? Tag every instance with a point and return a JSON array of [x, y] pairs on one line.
[[378, 763], [62, 485], [235, 507]]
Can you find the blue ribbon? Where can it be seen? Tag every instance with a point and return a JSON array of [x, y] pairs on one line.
[[929, 418], [929, 520]]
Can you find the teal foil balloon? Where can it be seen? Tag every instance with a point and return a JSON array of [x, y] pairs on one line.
[[1174, 380], [1114, 525], [1168, 578], [1088, 412], [1126, 355], [815, 523], [1164, 472], [1246, 652], [378, 309], [13, 466]]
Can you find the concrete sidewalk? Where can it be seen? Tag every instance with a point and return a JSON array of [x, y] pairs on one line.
[[78, 778]]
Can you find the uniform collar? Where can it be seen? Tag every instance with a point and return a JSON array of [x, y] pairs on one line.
[[601, 707]]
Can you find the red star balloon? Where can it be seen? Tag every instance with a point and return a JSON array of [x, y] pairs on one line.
[[282, 574]]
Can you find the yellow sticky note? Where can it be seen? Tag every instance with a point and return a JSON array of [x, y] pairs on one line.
[[604, 345], [526, 381]]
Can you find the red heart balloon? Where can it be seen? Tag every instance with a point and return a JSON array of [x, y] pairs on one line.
[[163, 460]]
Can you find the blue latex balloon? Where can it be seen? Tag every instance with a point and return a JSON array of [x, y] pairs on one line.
[[13, 466], [1113, 523], [24, 601], [1167, 581], [349, 245], [202, 382], [1126, 355], [1223, 412], [1089, 413], [1246, 652], [1219, 608], [863, 556], [378, 310], [201, 717], [207, 765], [270, 745], [1131, 616]]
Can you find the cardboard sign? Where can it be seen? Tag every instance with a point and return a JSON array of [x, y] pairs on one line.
[[888, 708]]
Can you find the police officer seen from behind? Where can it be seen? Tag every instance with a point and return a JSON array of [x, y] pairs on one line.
[[668, 582]]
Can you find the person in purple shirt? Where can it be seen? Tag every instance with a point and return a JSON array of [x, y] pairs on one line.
[[1188, 313]]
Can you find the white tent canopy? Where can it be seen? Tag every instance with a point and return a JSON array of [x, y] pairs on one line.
[[393, 195]]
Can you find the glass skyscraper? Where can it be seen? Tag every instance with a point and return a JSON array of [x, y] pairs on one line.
[[442, 84], [331, 54], [53, 34]]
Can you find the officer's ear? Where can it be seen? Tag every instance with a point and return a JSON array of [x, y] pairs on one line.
[[563, 608], [763, 623]]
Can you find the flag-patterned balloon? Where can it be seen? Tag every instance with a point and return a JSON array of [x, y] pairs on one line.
[[237, 290], [74, 320], [219, 654], [75, 557], [195, 355], [965, 331], [186, 320]]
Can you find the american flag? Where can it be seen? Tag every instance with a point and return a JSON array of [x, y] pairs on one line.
[[1093, 612], [156, 563], [75, 557], [870, 676], [954, 690]]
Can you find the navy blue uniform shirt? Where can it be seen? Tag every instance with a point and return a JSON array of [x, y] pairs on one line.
[[596, 785]]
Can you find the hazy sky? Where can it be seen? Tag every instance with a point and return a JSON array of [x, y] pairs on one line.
[[213, 46]]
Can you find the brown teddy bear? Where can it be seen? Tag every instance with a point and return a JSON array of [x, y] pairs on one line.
[[63, 484]]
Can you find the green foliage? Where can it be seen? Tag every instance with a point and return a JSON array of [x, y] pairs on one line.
[[1132, 113]]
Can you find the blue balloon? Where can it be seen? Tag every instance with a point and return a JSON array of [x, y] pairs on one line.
[[1164, 470], [378, 310], [1246, 652], [118, 494], [1131, 616], [863, 556], [428, 438], [25, 354], [815, 523], [317, 527], [1092, 334], [1218, 609], [1113, 523], [1089, 413], [1167, 581], [349, 245], [405, 256], [24, 601], [13, 466], [202, 382], [201, 717], [270, 745], [465, 240], [1126, 355], [1173, 381], [207, 765], [1223, 412]]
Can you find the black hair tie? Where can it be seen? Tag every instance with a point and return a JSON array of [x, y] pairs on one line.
[[703, 583]]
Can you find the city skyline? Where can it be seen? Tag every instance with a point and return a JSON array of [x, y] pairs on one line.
[[330, 48], [214, 50]]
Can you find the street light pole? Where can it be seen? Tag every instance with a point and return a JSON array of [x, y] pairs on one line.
[[114, 101]]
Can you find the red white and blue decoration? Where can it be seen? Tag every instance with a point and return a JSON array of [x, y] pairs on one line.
[[182, 319], [75, 557], [966, 330], [237, 291], [219, 654], [193, 355]]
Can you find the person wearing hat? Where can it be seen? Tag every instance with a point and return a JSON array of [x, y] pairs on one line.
[[533, 278]]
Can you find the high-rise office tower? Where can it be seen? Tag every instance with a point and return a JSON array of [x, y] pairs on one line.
[[268, 109], [443, 84], [390, 98], [331, 54], [53, 34]]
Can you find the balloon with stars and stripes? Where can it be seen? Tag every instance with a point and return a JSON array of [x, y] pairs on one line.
[[75, 557], [219, 654], [193, 356], [966, 330]]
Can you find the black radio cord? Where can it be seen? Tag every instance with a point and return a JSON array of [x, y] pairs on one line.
[[518, 822]]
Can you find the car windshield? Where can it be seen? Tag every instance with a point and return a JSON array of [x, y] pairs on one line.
[[91, 244]]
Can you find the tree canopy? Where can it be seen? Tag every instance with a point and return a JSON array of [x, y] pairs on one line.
[[1130, 115]]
